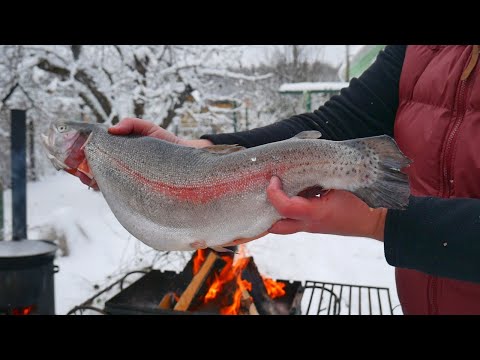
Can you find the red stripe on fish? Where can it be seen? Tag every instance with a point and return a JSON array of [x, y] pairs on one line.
[[203, 193]]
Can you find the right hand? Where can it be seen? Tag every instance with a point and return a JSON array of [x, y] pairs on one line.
[[133, 126]]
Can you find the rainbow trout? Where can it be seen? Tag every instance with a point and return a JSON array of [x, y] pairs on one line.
[[173, 197]]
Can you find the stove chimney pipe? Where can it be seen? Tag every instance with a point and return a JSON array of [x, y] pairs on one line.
[[19, 174]]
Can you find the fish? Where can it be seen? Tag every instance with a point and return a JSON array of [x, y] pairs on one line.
[[178, 198]]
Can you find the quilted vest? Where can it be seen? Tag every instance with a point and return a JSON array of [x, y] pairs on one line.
[[438, 126]]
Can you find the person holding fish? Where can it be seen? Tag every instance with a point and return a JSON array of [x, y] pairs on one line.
[[428, 99]]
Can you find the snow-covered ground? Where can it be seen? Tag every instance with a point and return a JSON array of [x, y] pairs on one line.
[[100, 249]]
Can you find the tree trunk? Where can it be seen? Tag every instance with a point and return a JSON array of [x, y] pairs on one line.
[[180, 101]]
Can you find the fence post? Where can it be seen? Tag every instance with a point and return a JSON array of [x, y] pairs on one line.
[[234, 116], [308, 100]]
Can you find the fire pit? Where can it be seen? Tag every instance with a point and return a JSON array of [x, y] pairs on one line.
[[219, 284], [209, 284]]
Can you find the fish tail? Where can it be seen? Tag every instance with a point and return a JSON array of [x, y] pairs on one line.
[[391, 188]]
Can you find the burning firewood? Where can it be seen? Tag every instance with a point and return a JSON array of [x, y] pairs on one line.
[[261, 298], [188, 295], [168, 301], [226, 285], [248, 304]]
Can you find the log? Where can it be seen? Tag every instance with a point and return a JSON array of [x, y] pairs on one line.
[[167, 301], [248, 303], [198, 280], [197, 303], [263, 303]]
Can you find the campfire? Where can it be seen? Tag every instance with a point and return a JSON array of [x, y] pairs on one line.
[[211, 283], [231, 284], [227, 285]]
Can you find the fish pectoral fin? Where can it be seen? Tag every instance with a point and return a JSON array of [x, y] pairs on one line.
[[221, 249], [201, 244], [311, 134], [197, 245], [223, 149]]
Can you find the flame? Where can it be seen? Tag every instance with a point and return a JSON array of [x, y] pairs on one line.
[[198, 260], [274, 288], [26, 310], [234, 308], [229, 272], [232, 272], [242, 251]]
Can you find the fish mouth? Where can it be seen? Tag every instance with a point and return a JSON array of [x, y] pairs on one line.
[[48, 142]]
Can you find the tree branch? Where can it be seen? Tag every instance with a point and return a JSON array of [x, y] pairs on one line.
[[138, 101], [180, 101], [46, 65], [89, 103], [10, 92], [108, 75], [233, 75], [86, 80], [82, 77]]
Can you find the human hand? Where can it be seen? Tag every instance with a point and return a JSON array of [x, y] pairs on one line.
[[146, 128], [337, 212]]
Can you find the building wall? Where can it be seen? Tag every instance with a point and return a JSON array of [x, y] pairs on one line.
[[361, 60]]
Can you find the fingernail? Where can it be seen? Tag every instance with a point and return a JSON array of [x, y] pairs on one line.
[[276, 179], [113, 127]]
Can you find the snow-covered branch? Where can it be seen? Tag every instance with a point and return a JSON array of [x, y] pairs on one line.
[[85, 79], [234, 75], [105, 83]]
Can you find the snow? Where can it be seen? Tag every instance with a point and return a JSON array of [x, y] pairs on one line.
[[233, 75], [100, 250], [331, 54], [313, 86]]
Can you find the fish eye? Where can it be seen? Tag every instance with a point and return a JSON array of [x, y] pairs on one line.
[[62, 128]]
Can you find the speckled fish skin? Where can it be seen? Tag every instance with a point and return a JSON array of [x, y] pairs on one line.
[[173, 197]]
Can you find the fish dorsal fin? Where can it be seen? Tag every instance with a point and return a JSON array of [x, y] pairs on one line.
[[311, 134], [223, 149]]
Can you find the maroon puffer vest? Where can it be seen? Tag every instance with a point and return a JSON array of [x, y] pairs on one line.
[[438, 126]]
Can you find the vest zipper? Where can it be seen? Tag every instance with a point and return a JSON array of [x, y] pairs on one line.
[[433, 285], [448, 151], [450, 142], [459, 113]]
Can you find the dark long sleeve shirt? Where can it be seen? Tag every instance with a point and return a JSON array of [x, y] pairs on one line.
[[436, 236]]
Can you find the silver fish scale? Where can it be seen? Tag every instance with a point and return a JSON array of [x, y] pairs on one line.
[[165, 222]]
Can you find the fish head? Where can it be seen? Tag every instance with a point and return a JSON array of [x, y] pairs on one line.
[[64, 142]]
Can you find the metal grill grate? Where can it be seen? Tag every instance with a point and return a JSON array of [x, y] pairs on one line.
[[319, 298], [323, 298]]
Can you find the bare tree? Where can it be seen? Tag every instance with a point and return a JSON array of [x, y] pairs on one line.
[[106, 83]]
